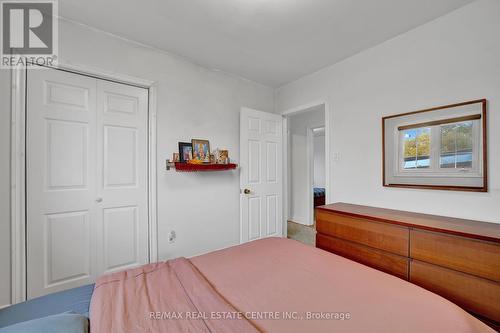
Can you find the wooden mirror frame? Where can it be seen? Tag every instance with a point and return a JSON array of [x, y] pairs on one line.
[[484, 188]]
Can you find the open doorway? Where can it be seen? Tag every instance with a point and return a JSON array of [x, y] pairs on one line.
[[306, 170]]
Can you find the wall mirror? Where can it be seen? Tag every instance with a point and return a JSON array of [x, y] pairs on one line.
[[441, 148]]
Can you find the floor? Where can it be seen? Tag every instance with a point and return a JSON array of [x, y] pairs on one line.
[[302, 233]]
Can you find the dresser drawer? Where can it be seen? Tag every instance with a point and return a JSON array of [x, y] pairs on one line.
[[384, 236], [381, 260], [465, 255], [475, 294]]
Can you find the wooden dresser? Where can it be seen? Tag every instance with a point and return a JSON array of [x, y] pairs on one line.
[[455, 258]]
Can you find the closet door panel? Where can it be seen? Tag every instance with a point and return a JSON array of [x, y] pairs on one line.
[[122, 122], [60, 164]]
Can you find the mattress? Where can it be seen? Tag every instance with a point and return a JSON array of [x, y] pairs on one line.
[[275, 285], [75, 300]]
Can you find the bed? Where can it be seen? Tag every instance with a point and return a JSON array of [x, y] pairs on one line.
[[269, 285], [76, 300]]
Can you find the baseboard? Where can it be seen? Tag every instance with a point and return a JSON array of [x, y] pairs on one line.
[[299, 221], [4, 306]]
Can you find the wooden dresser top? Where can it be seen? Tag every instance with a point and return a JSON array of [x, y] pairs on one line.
[[460, 227]]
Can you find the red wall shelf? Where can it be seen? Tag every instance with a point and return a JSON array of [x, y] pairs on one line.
[[187, 167]]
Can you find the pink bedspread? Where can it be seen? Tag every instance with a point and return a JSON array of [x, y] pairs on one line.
[[163, 297], [276, 285]]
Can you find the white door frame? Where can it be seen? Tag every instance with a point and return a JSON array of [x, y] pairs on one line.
[[310, 171], [18, 167], [310, 174], [286, 114]]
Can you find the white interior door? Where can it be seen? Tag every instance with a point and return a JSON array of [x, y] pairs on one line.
[[86, 143], [261, 182], [122, 191], [60, 147]]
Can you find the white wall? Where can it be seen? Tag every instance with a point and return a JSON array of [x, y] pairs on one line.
[[452, 59], [193, 102], [319, 161], [299, 187]]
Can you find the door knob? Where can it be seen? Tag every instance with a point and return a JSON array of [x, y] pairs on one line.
[[98, 200], [246, 191]]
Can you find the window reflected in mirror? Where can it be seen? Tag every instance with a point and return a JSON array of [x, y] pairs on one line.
[[438, 148]]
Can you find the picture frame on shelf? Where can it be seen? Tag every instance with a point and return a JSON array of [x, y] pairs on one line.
[[224, 156], [185, 152], [221, 156], [201, 150]]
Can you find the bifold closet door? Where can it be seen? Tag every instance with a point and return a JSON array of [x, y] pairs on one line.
[[122, 192], [86, 167]]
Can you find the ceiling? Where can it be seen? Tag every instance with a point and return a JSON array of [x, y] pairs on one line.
[[268, 41]]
